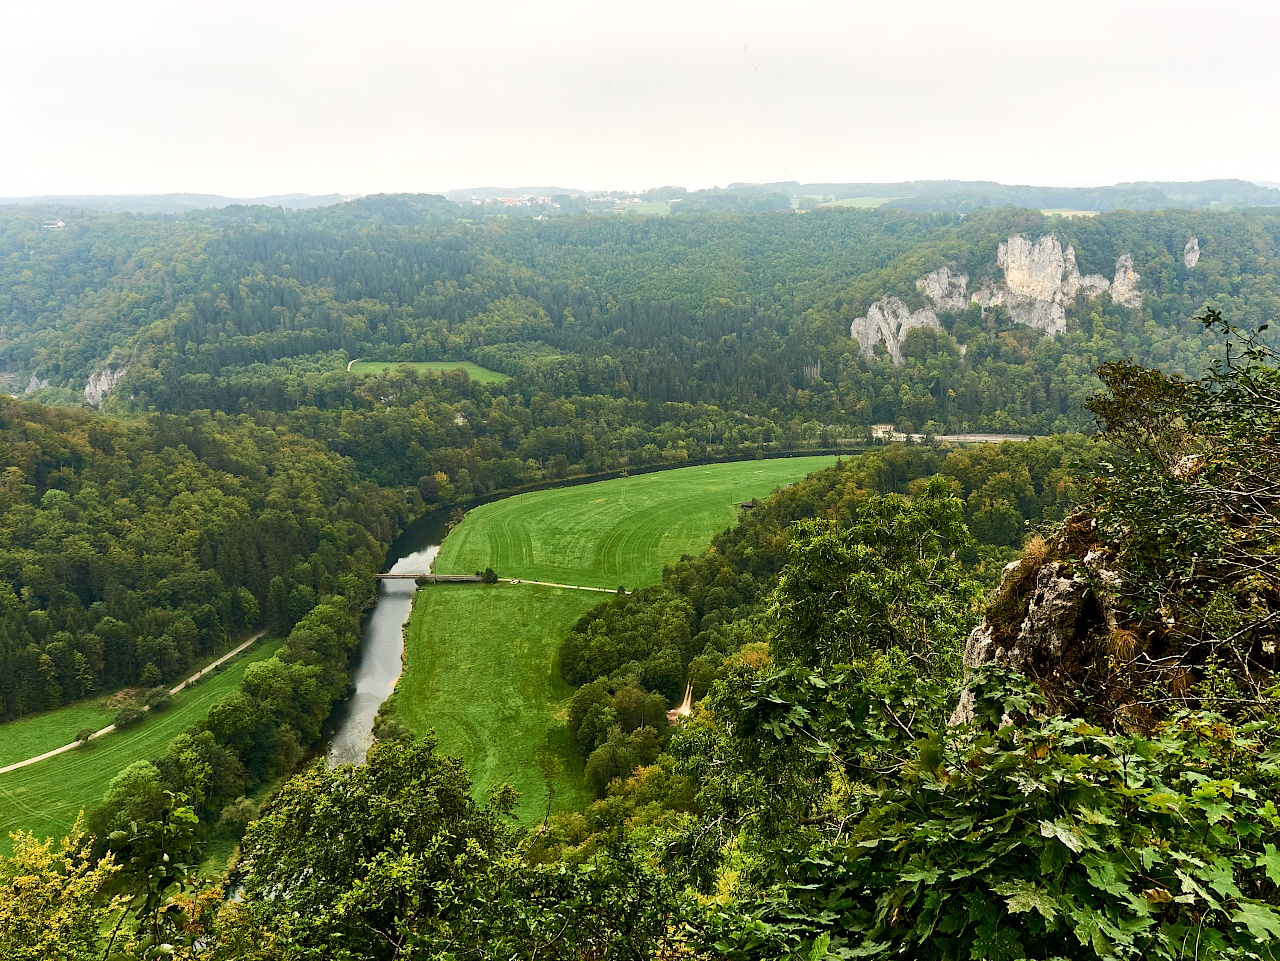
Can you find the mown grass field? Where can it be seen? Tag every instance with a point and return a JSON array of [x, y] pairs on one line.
[[859, 203], [34, 735], [46, 797], [479, 671], [615, 532], [479, 658], [477, 373]]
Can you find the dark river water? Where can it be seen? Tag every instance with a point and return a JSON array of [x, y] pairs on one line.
[[382, 640]]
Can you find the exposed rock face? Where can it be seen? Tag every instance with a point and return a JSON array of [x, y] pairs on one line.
[[101, 383], [1048, 629], [948, 291], [890, 320], [1124, 289], [1060, 609], [1191, 253], [36, 384], [1040, 278]]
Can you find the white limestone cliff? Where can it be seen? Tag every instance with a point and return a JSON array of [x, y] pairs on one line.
[[948, 291], [1040, 280], [889, 321], [101, 383], [36, 384], [1124, 289], [1191, 253]]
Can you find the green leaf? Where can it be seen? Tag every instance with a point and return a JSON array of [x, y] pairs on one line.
[[1064, 832], [1270, 861], [928, 875], [1027, 897], [1263, 922]]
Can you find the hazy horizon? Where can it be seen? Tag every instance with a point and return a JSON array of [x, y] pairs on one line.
[[248, 99]]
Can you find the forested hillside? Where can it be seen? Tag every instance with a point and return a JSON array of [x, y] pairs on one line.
[[256, 309], [131, 549], [1000, 701]]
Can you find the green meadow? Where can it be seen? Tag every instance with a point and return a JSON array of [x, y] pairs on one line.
[[34, 735], [858, 203], [477, 373], [479, 658], [616, 532], [480, 673], [45, 798]]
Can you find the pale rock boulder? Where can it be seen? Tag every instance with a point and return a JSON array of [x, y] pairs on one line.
[[36, 384], [948, 291], [1040, 278], [1124, 289], [1058, 611], [888, 321], [1191, 253], [101, 383]]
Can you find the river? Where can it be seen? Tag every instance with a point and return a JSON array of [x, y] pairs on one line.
[[375, 674]]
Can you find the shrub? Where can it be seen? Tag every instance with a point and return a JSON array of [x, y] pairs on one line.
[[158, 699], [128, 716]]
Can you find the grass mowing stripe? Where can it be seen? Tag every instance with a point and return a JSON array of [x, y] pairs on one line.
[[34, 735], [479, 671], [46, 797], [616, 531], [479, 659], [482, 375], [29, 736]]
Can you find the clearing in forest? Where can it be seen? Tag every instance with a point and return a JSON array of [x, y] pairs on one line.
[[479, 659], [614, 532], [482, 375], [480, 672], [46, 797]]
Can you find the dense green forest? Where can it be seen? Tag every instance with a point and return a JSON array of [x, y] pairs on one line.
[[1094, 773], [258, 310]]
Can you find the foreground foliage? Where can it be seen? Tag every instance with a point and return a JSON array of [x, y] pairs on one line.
[[1042, 838]]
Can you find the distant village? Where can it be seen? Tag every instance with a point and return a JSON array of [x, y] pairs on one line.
[[578, 202]]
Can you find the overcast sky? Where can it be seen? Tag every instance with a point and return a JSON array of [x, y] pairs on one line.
[[253, 97]]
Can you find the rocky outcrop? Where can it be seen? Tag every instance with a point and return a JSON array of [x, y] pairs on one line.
[[1191, 253], [1124, 289], [1058, 617], [948, 291], [36, 384], [102, 382], [888, 321], [1040, 279], [1039, 626]]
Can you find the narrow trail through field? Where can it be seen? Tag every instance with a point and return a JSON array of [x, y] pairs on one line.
[[568, 587], [111, 727]]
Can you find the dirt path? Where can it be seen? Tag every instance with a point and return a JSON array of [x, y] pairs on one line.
[[570, 587], [111, 727]]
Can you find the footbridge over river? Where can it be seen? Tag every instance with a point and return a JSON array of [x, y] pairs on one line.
[[434, 578]]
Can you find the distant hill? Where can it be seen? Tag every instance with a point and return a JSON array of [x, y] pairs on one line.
[[468, 194], [965, 195], [171, 203]]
